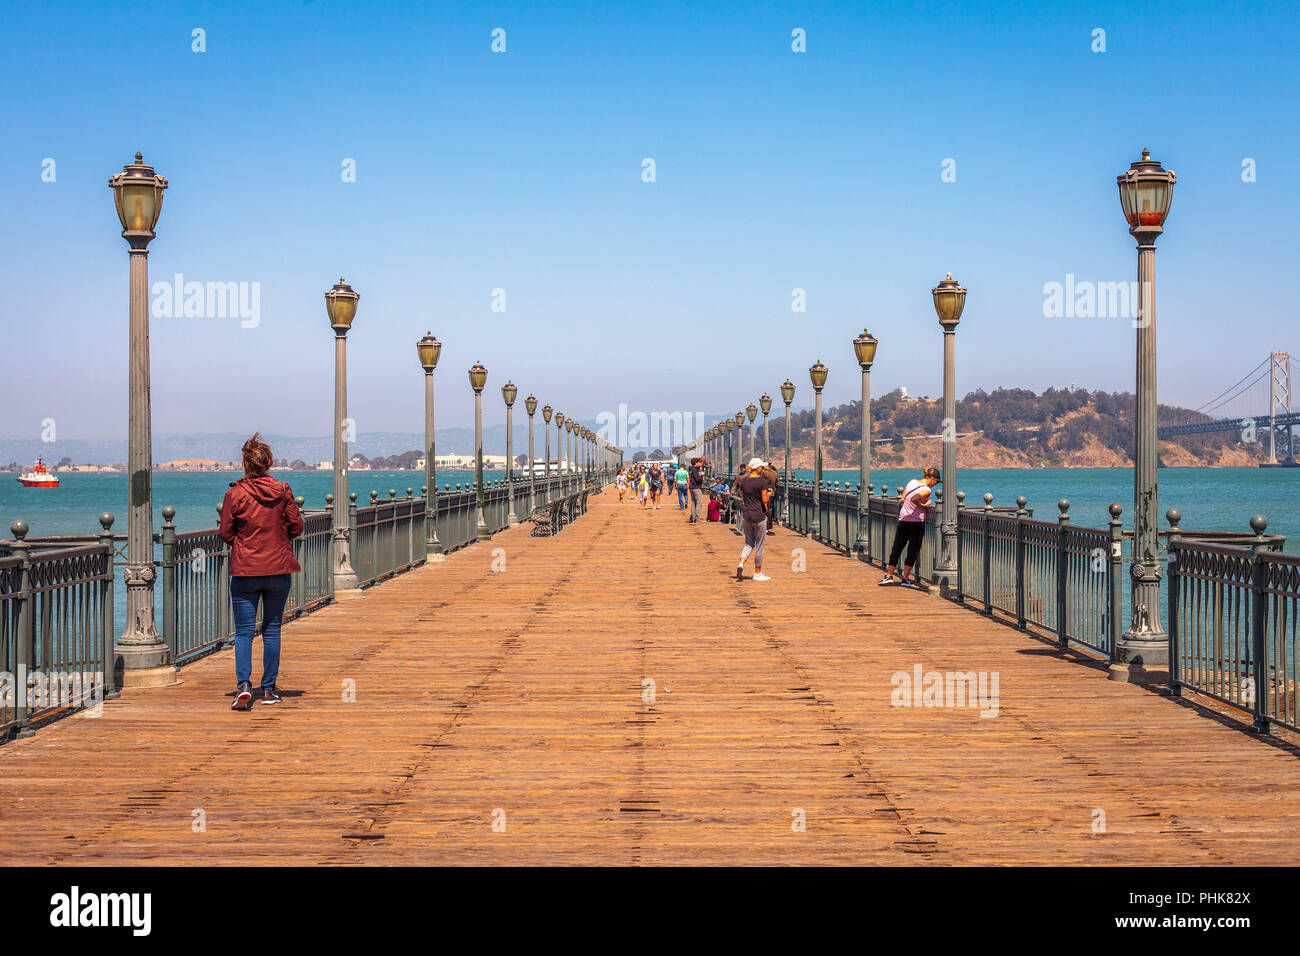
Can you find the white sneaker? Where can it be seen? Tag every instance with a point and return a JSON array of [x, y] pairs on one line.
[[761, 577]]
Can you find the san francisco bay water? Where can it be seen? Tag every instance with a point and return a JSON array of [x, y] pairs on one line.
[[1210, 499]]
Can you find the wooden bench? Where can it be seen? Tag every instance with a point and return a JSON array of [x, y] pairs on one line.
[[546, 519], [549, 519]]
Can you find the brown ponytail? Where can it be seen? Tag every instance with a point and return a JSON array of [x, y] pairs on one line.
[[257, 456]]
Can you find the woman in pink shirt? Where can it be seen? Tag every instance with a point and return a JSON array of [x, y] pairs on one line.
[[911, 528]]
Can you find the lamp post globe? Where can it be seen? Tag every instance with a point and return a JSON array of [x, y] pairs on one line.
[[140, 652], [765, 403], [1146, 192]]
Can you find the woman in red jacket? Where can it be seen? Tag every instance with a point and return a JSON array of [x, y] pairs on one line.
[[259, 518]]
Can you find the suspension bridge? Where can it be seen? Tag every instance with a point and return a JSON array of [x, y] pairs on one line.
[[1258, 405]]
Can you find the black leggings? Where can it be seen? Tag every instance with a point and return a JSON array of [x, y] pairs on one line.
[[909, 534]]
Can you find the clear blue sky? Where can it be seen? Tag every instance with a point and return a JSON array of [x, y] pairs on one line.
[[522, 171]]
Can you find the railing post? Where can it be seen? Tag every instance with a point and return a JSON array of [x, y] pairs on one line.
[[300, 553], [392, 507], [988, 555], [1020, 561], [1114, 585], [1063, 575], [106, 611], [1173, 516], [961, 568], [374, 536], [25, 638], [1258, 611], [169, 579], [224, 630]]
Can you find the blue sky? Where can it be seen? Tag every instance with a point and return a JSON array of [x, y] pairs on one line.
[[522, 171]]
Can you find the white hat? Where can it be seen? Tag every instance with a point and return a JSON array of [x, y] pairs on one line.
[[755, 463]]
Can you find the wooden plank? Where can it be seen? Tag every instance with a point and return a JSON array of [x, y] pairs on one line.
[[517, 698]]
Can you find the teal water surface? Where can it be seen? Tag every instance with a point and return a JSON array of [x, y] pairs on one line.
[[75, 506], [1210, 499]]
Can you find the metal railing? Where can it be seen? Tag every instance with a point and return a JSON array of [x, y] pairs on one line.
[[56, 633], [1054, 576], [1233, 614]]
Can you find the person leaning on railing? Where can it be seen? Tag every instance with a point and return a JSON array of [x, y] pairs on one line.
[[911, 528], [259, 519]]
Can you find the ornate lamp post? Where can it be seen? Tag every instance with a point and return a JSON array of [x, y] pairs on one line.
[[546, 432], [817, 373], [787, 396], [751, 411], [864, 346], [568, 450], [765, 403], [561, 462], [741, 460], [341, 307], [530, 405], [477, 379], [949, 300], [731, 457], [1146, 191], [145, 659], [509, 391], [561, 466], [429, 349]]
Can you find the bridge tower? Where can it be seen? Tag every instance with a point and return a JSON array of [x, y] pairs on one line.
[[1280, 401]]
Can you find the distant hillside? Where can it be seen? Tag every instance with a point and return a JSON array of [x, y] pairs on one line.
[[1008, 428]]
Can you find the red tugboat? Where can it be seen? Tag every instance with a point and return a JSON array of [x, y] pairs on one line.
[[39, 477]]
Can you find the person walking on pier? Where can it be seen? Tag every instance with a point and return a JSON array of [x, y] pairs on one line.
[[752, 487], [258, 520], [643, 488], [656, 485], [682, 478], [622, 485], [696, 484], [911, 528]]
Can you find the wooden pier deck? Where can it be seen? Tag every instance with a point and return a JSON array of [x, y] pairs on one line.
[[499, 719]]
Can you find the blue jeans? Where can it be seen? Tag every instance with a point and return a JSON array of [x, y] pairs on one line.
[[272, 590], [681, 497]]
